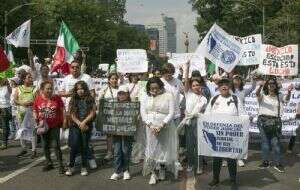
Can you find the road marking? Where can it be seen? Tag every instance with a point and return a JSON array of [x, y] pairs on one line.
[[24, 169]]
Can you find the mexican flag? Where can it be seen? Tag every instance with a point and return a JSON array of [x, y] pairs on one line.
[[66, 47], [4, 62], [8, 73]]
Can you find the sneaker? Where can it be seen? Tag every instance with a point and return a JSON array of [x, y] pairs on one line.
[[33, 155], [115, 177], [224, 163], [241, 163], [93, 164], [22, 153], [70, 171], [108, 156], [264, 165], [289, 151], [84, 172], [126, 175], [214, 183], [48, 167], [153, 179], [3, 147], [162, 174], [199, 171], [279, 168]]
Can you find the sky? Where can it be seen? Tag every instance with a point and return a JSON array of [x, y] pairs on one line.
[[149, 11]]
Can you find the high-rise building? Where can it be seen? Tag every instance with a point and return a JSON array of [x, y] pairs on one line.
[[171, 34], [138, 27], [167, 35]]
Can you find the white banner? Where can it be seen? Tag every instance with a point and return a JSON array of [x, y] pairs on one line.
[[197, 62], [20, 37], [220, 48], [288, 116], [251, 49], [132, 61], [279, 61], [223, 136]]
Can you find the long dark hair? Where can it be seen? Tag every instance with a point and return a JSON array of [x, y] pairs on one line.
[[90, 101], [266, 89], [155, 80]]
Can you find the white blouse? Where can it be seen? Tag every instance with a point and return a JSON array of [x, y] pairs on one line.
[[158, 110]]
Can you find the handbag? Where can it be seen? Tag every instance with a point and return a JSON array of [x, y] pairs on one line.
[[42, 128]]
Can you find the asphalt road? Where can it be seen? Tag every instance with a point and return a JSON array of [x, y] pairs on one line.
[[26, 174]]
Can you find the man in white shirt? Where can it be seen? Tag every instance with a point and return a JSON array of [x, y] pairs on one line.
[[225, 103], [68, 85]]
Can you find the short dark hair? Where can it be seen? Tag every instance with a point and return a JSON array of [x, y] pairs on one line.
[[154, 80], [168, 68], [224, 82]]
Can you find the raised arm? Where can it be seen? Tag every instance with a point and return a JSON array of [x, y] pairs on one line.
[[186, 79], [258, 91]]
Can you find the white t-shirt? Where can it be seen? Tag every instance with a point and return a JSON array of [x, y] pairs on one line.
[[107, 93], [70, 81], [225, 105], [175, 87], [269, 105], [194, 103], [4, 97]]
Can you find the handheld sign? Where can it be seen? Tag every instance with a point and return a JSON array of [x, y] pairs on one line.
[[132, 61], [279, 61], [118, 118]]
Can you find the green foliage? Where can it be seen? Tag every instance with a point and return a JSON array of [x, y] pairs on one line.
[[244, 17], [98, 25]]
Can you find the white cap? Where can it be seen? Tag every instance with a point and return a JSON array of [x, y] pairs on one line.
[[123, 88]]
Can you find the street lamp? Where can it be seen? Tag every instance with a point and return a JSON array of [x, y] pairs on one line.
[[259, 8], [6, 13]]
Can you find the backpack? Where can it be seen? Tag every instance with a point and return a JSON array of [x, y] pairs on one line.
[[235, 100]]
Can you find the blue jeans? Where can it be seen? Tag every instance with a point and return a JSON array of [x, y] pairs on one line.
[[269, 142], [122, 153]]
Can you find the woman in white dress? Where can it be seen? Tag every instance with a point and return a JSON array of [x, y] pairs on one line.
[[157, 110]]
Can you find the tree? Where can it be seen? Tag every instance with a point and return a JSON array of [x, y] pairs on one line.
[[241, 18], [98, 25]]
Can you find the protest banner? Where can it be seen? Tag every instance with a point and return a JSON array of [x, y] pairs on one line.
[[279, 61], [220, 48], [288, 115], [98, 84], [251, 49], [118, 118], [197, 62], [132, 61], [223, 136]]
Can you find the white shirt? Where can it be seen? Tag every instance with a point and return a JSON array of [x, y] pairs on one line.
[[109, 94], [225, 105], [175, 87], [269, 105], [194, 103], [69, 82], [134, 90], [4, 97], [158, 110]]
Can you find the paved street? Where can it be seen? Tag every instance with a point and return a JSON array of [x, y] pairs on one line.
[[26, 174]]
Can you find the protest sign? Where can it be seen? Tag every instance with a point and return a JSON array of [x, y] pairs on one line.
[[98, 84], [58, 84], [223, 136], [118, 118], [103, 67], [220, 48], [279, 61], [197, 62], [251, 49], [132, 61]]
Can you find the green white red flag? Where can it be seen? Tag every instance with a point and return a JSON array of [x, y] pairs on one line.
[[66, 47]]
